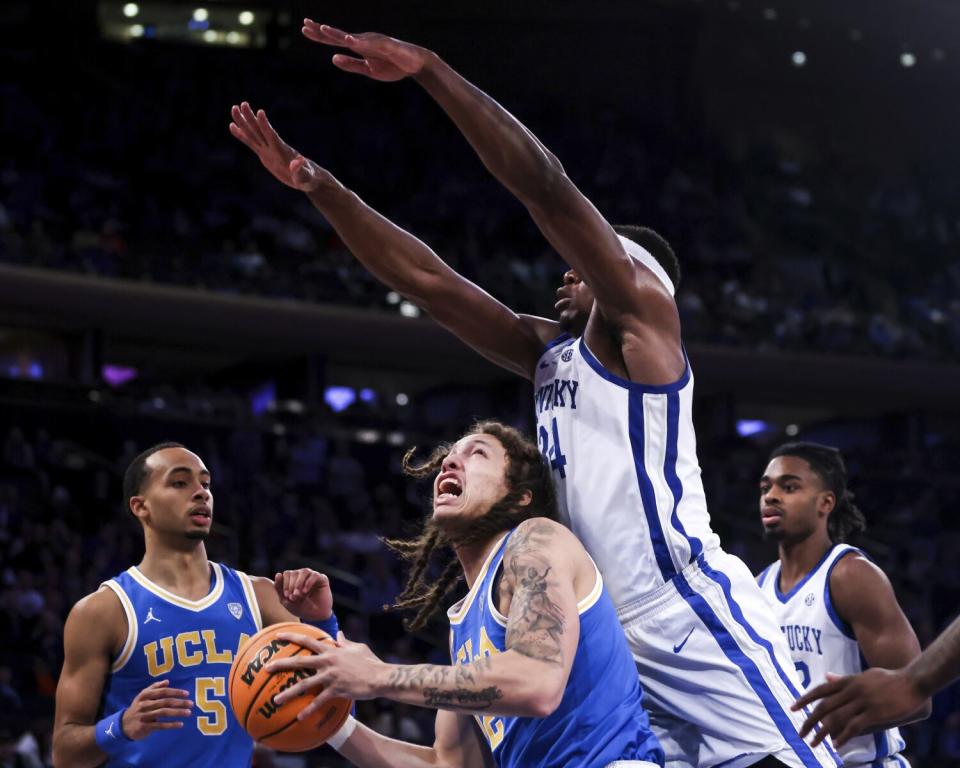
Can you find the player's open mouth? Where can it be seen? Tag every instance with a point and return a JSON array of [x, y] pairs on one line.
[[448, 489], [200, 515]]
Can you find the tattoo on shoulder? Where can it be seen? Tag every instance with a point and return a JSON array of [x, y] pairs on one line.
[[536, 623]]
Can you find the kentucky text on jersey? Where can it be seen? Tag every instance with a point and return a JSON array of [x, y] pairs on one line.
[[802, 638], [821, 641], [560, 393]]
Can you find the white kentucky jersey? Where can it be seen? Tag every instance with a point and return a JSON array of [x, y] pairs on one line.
[[820, 642], [624, 461]]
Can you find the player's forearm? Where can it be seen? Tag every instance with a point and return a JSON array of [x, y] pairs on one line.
[[507, 148], [939, 664], [506, 684], [392, 255], [368, 749], [75, 746]]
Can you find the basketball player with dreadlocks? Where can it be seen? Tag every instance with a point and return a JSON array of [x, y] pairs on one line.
[[613, 401], [835, 607], [541, 672]]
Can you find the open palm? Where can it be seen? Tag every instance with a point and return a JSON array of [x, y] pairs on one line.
[[278, 157], [379, 57]]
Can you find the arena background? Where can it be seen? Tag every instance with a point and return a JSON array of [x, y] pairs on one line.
[[156, 283]]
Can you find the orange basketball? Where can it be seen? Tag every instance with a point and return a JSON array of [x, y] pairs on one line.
[[252, 691]]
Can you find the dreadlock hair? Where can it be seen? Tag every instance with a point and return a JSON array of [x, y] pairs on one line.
[[525, 471], [845, 518], [137, 473]]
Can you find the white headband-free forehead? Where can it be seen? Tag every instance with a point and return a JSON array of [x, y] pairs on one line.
[[641, 254]]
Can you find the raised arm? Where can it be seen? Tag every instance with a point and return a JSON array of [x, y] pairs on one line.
[[526, 680], [511, 152], [95, 629], [397, 258]]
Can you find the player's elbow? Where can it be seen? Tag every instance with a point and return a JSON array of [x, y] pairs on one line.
[[546, 696]]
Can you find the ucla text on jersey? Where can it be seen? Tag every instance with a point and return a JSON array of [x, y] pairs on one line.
[[191, 643]]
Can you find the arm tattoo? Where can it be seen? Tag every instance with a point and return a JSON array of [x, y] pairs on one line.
[[434, 682], [536, 622], [461, 698]]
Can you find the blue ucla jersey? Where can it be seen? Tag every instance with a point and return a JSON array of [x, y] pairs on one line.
[[600, 718], [820, 642], [624, 461], [192, 644]]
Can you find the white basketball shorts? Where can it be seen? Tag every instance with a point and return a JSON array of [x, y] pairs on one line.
[[716, 671]]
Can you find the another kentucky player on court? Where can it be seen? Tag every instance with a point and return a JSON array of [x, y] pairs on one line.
[[836, 609]]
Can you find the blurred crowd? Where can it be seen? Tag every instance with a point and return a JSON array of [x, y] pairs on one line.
[[123, 167], [323, 493]]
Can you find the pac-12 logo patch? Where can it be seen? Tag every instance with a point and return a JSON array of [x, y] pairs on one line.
[[567, 355], [809, 599], [236, 609]]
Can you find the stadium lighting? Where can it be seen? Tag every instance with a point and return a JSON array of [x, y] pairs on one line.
[[799, 58], [402, 398], [201, 14], [210, 36], [908, 59], [130, 10], [233, 37], [792, 430], [136, 30], [409, 310], [246, 18]]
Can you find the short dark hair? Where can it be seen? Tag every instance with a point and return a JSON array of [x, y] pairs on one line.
[[845, 519], [136, 473], [656, 245]]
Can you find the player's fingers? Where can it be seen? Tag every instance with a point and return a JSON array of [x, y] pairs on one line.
[[165, 712], [155, 694], [305, 640], [237, 132], [267, 130], [850, 727], [351, 64], [311, 581], [300, 584], [246, 111], [322, 698], [242, 122], [154, 704], [324, 33], [306, 685], [819, 692]]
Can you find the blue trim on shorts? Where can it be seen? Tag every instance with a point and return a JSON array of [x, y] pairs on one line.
[[670, 473], [648, 497], [737, 613], [735, 654]]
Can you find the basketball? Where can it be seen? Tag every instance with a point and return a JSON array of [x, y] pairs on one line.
[[252, 690]]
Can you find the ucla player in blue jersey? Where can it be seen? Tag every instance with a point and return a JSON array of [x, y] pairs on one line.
[[613, 397], [146, 656], [835, 607], [542, 675]]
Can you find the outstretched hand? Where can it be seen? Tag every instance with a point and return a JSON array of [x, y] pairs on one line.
[[278, 157], [377, 56], [851, 705]]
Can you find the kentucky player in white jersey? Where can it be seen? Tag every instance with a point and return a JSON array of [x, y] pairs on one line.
[[613, 404], [836, 609]]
